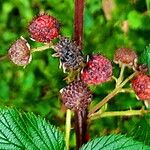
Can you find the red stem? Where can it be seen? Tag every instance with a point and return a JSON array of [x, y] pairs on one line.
[[80, 128], [78, 22], [80, 116]]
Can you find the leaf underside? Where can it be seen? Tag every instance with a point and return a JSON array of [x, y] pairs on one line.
[[27, 132]]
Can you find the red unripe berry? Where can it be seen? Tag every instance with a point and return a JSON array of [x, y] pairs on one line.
[[125, 56], [19, 52], [97, 70], [76, 96], [141, 86], [44, 28]]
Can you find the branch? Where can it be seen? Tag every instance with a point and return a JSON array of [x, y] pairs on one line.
[[112, 94], [118, 113], [42, 48]]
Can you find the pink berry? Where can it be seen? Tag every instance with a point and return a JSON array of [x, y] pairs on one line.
[[44, 28], [76, 96], [19, 52], [97, 70], [126, 56], [141, 86]]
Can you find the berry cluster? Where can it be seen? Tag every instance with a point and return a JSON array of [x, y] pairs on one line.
[[97, 70]]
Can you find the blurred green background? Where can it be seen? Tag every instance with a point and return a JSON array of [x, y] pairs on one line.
[[108, 24]]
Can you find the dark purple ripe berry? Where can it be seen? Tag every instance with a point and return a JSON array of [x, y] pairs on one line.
[[69, 53], [19, 52], [76, 96]]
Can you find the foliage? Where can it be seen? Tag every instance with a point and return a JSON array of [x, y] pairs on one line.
[[35, 88], [145, 57], [20, 131], [114, 142], [26, 131]]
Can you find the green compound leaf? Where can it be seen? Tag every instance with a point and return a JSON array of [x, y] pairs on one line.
[[145, 58], [114, 142], [27, 132]]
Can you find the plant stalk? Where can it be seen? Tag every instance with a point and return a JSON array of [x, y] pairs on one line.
[[118, 113], [111, 95], [78, 22], [81, 127], [42, 48], [68, 127], [81, 116], [3, 57]]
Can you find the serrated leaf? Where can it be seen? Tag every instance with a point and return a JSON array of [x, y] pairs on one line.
[[141, 131], [114, 142], [26, 131], [145, 57]]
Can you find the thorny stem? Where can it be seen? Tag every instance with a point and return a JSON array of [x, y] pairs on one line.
[[109, 96], [118, 113], [68, 127], [42, 48]]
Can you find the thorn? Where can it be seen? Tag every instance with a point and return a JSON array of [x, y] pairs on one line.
[[60, 65], [87, 58], [147, 103], [61, 90], [55, 55], [32, 39]]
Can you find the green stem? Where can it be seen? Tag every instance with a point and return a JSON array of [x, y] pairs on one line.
[[148, 5], [118, 113], [120, 79], [68, 127], [109, 96], [127, 90], [42, 48], [3, 57]]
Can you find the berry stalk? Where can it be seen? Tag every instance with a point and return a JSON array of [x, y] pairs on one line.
[[68, 127], [42, 48], [119, 113], [3, 57], [111, 95]]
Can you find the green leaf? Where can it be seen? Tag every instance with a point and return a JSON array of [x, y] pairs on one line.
[[135, 20], [141, 130], [114, 142], [26, 131], [145, 57]]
